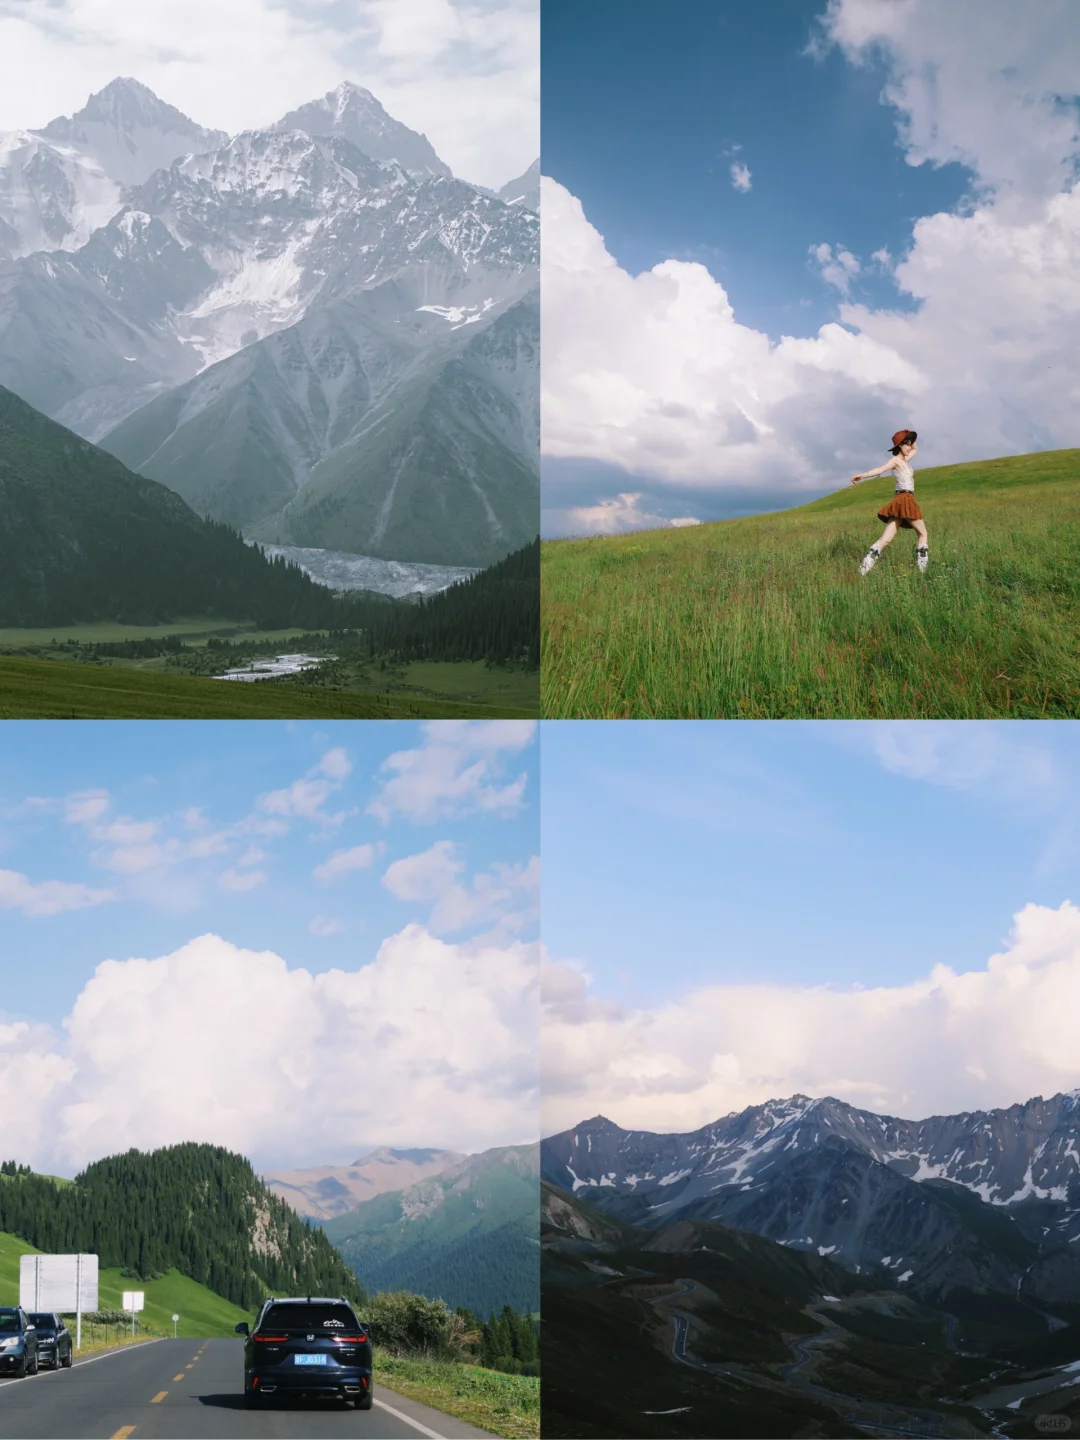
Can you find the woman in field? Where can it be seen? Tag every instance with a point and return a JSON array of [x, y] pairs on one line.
[[901, 510]]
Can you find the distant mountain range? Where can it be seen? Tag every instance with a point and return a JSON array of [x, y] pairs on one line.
[[986, 1203], [314, 331], [468, 1234], [330, 1190]]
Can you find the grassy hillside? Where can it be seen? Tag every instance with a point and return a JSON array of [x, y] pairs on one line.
[[34, 689], [201, 1311], [767, 617], [468, 1236]]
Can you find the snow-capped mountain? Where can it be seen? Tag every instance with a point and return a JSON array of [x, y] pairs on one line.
[[983, 1200], [130, 133], [353, 113], [257, 303], [525, 190], [60, 183]]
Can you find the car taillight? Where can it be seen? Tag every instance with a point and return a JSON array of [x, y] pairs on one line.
[[270, 1339], [350, 1339]]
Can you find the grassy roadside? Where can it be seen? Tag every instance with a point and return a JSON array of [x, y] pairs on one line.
[[767, 618], [504, 1404]]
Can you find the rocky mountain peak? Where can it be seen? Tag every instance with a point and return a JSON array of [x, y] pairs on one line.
[[356, 115]]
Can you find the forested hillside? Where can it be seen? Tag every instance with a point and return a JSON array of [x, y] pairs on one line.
[[196, 1208]]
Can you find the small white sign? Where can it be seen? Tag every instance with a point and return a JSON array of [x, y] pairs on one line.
[[134, 1299], [175, 1318], [66, 1283]]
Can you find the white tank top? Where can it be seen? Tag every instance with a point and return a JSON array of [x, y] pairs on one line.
[[905, 476]]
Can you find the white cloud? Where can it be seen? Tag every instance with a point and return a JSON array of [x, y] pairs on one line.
[[345, 862], [37, 899], [464, 72], [305, 799], [1006, 761], [85, 806], [506, 895], [740, 177], [325, 925], [978, 82], [653, 373], [940, 1045], [430, 1044], [620, 514], [838, 268], [456, 771]]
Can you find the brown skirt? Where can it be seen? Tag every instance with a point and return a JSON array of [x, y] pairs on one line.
[[901, 508]]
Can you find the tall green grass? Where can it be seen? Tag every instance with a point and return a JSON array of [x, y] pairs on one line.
[[767, 617], [504, 1404]]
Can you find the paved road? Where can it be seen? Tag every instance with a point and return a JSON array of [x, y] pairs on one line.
[[188, 1390]]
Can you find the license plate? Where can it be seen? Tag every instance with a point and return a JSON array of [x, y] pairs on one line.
[[310, 1359]]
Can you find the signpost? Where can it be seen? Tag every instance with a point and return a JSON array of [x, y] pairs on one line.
[[64, 1283], [175, 1318], [134, 1300]]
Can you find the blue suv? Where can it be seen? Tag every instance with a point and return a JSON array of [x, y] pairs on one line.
[[18, 1342], [307, 1349]]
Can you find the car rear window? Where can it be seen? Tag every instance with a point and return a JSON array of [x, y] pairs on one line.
[[318, 1318]]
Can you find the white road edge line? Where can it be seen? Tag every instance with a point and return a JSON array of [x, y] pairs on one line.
[[78, 1364], [399, 1415]]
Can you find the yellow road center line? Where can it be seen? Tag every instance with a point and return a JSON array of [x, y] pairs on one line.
[[178, 1377], [159, 1397], [123, 1433], [188, 1367]]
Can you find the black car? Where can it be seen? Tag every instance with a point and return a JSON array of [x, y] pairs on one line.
[[314, 1349], [53, 1338], [18, 1342]]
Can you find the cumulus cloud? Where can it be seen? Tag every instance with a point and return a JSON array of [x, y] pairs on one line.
[[942, 1044], [740, 176], [974, 82], [46, 897], [507, 894], [653, 373], [345, 862], [429, 1044], [623, 513], [464, 72], [456, 771]]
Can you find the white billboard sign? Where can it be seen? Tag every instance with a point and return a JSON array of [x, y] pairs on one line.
[[134, 1300], [67, 1283]]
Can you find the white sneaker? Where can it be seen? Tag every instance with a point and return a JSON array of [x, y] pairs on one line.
[[922, 557], [872, 556]]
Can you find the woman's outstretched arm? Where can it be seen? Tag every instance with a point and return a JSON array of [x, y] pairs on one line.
[[869, 474]]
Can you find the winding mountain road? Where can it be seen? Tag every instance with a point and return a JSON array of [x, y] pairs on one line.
[[175, 1389]]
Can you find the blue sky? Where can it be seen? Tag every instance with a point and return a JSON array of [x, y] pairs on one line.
[[263, 872], [642, 106], [681, 852], [774, 234], [736, 891]]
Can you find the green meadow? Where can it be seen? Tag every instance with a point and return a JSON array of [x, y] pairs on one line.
[[766, 617], [201, 1312], [34, 688]]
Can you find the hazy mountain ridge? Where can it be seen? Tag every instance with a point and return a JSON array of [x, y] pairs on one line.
[[468, 1235], [325, 1191]]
